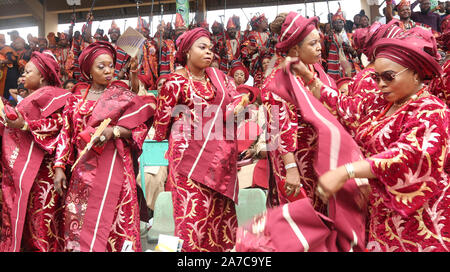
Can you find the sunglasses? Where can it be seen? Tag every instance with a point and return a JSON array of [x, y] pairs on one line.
[[386, 76]]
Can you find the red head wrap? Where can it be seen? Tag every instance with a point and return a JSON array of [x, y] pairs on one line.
[[237, 65], [113, 27], [365, 38], [257, 20], [254, 91], [47, 65], [186, 40], [403, 3], [338, 16], [179, 22], [415, 49], [230, 23], [294, 29], [90, 53]]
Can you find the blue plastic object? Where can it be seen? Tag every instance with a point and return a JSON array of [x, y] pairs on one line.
[[153, 153]]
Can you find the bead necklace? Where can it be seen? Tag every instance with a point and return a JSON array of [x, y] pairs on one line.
[[388, 107], [206, 96]]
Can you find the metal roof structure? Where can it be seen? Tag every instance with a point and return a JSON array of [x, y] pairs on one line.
[[22, 13]]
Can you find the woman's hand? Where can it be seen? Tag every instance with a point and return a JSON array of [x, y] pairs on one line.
[[18, 123], [104, 137], [331, 182], [292, 184], [134, 63], [60, 181], [297, 67]]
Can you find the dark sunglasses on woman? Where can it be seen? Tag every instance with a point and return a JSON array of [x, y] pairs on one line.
[[386, 76]]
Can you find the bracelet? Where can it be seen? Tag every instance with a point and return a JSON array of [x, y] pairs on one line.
[[311, 80], [290, 165], [63, 167], [350, 170], [116, 132], [25, 126]]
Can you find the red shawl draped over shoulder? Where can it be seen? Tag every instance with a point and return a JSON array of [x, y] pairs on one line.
[[105, 170], [296, 226], [22, 157], [197, 162]]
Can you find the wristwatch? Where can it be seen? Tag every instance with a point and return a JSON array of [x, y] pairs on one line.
[[116, 132]]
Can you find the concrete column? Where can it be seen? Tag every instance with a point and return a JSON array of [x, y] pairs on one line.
[[51, 23]]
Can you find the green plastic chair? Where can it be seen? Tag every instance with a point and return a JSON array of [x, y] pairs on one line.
[[252, 201], [163, 222], [152, 155]]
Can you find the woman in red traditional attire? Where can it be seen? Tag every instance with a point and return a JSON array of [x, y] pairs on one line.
[[32, 210], [403, 132], [239, 73], [293, 142], [202, 151], [101, 207]]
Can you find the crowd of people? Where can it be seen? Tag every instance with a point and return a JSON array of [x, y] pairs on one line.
[[345, 124]]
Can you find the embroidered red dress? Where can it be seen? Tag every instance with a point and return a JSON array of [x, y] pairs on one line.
[[101, 211], [288, 132], [204, 204], [32, 212], [409, 203]]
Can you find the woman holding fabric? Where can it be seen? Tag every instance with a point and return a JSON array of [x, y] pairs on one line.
[[293, 147], [202, 151], [404, 133], [102, 188], [32, 218]]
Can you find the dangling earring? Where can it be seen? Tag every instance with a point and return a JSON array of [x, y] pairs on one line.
[[188, 56]]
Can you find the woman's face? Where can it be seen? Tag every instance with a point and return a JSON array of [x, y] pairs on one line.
[[160, 84], [404, 84], [310, 49], [32, 77], [265, 64], [364, 22], [102, 71], [69, 86], [200, 54], [239, 77]]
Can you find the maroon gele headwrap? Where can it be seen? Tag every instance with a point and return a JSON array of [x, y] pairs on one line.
[[90, 53], [186, 40], [415, 49], [365, 38], [254, 91], [237, 65], [294, 29], [47, 65]]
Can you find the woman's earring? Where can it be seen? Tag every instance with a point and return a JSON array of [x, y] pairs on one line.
[[188, 56]]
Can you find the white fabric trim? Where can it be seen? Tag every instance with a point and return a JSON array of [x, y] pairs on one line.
[[103, 200], [54, 100], [134, 113], [335, 136], [295, 228], [289, 27], [210, 129], [20, 193]]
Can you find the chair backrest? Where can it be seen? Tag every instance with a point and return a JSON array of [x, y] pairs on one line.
[[252, 201], [163, 222], [153, 153]]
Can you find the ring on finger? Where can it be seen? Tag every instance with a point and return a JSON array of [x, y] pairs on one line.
[[102, 138]]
